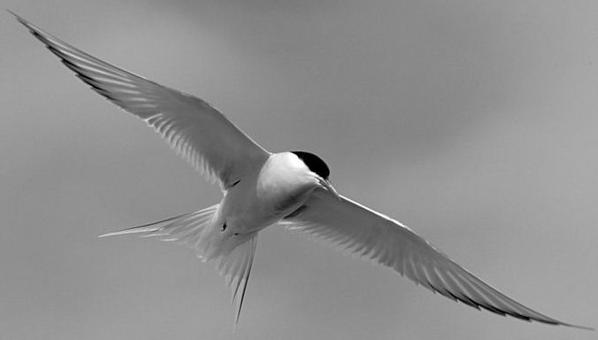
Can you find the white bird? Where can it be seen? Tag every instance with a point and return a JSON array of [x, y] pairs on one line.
[[262, 189]]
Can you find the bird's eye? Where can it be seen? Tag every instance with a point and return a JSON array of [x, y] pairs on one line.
[[314, 163]]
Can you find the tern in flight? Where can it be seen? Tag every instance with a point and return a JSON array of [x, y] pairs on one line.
[[261, 189]]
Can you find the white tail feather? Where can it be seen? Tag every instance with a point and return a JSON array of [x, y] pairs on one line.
[[186, 228], [236, 268], [232, 254]]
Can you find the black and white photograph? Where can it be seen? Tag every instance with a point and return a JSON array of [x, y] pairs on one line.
[[277, 169]]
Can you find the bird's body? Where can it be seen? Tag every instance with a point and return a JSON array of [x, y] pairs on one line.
[[280, 186], [260, 189], [260, 199]]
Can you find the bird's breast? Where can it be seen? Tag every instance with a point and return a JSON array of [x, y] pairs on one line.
[[283, 184], [278, 189]]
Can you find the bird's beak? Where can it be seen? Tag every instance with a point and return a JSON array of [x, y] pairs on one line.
[[326, 184]]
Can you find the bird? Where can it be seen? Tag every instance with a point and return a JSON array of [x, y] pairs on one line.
[[291, 189]]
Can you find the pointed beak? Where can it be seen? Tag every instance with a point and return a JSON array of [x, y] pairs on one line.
[[326, 184]]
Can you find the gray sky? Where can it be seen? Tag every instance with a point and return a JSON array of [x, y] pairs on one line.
[[473, 122]]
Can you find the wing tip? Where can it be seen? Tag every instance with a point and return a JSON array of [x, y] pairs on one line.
[[586, 328], [18, 17], [22, 20]]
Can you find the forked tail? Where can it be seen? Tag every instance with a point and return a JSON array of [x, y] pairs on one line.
[[232, 255], [186, 228], [236, 268]]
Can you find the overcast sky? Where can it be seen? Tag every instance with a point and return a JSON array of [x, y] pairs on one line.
[[473, 122]]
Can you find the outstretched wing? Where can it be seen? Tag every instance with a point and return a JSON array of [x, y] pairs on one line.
[[196, 130], [362, 231]]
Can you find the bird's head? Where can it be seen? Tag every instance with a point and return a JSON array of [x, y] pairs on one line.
[[317, 168]]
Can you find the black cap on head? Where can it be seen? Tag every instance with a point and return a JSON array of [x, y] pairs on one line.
[[314, 163]]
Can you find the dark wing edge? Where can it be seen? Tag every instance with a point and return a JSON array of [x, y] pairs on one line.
[[361, 231], [198, 132]]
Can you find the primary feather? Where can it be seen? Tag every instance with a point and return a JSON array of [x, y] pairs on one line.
[[197, 131], [371, 235]]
